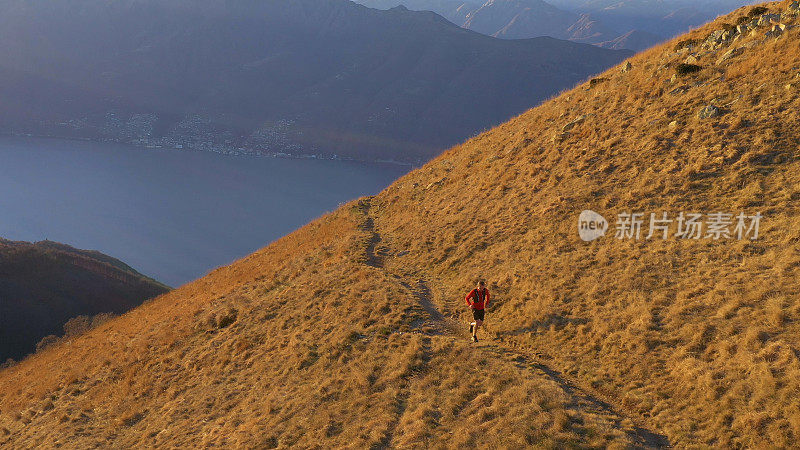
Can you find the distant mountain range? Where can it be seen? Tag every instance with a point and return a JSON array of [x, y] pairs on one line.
[[302, 77], [520, 19], [666, 18], [510, 19], [633, 24], [44, 284]]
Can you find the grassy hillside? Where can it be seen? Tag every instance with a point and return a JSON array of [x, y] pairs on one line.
[[309, 340], [351, 331]]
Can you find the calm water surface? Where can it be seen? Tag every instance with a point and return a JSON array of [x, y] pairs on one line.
[[171, 214]]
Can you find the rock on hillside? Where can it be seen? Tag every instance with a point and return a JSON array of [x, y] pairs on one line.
[[351, 331]]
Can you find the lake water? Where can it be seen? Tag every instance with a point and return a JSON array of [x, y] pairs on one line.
[[173, 215]]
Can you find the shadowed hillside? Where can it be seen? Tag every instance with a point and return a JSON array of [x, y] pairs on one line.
[[45, 284], [352, 331]]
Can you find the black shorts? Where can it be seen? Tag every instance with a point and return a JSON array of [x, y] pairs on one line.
[[478, 314]]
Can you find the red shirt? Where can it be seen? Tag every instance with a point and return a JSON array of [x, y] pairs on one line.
[[478, 300]]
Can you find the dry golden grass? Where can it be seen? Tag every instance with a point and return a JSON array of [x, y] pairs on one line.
[[300, 344], [697, 340]]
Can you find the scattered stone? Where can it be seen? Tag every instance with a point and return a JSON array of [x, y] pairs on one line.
[[673, 125], [560, 137], [768, 19], [730, 54], [794, 8], [435, 183], [578, 120], [757, 11], [775, 32], [691, 59], [595, 81], [709, 111], [685, 45], [627, 67], [679, 90], [728, 35], [715, 36]]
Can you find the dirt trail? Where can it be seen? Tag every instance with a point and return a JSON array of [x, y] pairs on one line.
[[438, 324], [585, 400], [579, 398], [373, 258]]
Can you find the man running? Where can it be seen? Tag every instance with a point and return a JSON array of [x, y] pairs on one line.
[[478, 300]]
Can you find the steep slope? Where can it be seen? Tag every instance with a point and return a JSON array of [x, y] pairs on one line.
[[350, 332], [700, 337], [310, 341], [43, 285], [300, 76]]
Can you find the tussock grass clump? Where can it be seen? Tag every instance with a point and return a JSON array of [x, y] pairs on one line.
[[227, 319], [595, 81], [46, 342], [685, 43], [683, 69], [758, 11]]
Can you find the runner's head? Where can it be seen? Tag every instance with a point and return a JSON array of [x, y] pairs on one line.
[[481, 284]]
